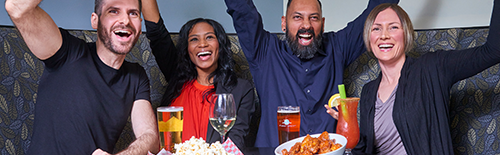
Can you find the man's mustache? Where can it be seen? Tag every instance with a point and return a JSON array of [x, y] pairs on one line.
[[311, 31]]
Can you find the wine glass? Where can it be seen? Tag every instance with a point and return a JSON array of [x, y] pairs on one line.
[[222, 113]]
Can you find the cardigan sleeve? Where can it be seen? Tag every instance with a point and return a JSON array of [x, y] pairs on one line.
[[162, 47], [461, 64]]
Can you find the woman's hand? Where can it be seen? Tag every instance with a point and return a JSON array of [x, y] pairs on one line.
[[334, 113], [100, 152]]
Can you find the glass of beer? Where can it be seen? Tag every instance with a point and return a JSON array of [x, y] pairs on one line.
[[170, 126], [288, 123]]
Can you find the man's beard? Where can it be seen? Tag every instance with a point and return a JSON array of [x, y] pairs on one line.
[[123, 47], [304, 52]]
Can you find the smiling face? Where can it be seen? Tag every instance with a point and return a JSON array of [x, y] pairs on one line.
[[387, 40], [118, 25], [203, 47], [303, 25]]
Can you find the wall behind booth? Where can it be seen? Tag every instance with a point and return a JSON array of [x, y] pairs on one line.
[[425, 14], [75, 14]]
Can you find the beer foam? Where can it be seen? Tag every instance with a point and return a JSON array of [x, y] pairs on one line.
[[288, 111], [169, 109]]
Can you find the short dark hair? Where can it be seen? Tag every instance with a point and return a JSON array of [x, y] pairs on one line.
[[290, 1], [98, 6]]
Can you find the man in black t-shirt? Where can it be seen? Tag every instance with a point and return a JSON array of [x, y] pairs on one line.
[[87, 91]]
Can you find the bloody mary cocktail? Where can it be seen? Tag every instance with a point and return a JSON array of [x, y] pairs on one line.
[[348, 121]]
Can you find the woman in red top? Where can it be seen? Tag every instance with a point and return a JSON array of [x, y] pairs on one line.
[[198, 67]]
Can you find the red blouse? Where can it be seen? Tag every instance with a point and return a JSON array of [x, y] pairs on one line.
[[195, 110]]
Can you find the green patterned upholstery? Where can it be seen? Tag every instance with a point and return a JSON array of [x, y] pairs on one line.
[[474, 113]]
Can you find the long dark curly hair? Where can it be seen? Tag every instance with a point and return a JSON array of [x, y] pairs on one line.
[[186, 69]]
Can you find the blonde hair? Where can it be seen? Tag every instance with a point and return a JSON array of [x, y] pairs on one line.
[[403, 17]]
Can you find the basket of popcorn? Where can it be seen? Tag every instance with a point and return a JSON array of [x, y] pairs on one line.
[[198, 146]]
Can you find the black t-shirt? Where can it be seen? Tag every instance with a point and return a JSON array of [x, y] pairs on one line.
[[82, 103]]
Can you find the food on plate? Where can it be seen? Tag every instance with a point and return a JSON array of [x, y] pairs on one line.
[[199, 146], [311, 145]]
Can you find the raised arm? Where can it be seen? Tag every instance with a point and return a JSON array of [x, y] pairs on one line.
[[161, 43], [461, 64], [248, 25], [150, 11], [351, 37], [37, 28]]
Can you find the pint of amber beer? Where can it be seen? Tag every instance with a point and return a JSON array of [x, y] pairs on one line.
[[170, 126], [288, 123]]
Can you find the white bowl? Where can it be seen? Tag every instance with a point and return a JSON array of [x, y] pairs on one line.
[[338, 139]]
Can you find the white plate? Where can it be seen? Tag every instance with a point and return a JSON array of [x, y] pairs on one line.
[[338, 139]]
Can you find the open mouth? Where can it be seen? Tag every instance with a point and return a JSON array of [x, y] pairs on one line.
[[123, 33], [305, 39], [204, 55], [385, 46]]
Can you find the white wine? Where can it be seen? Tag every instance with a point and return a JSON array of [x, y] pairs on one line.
[[222, 113], [222, 125]]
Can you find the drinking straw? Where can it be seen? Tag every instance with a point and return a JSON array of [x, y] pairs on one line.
[[342, 91]]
